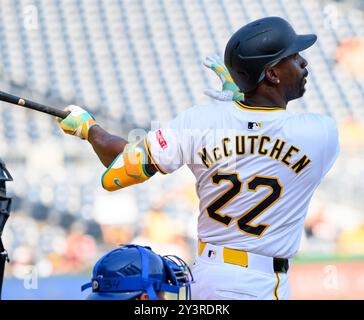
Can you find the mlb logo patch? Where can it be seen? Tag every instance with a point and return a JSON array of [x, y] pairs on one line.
[[212, 254], [252, 125]]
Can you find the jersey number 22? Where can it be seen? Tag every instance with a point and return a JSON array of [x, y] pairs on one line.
[[244, 221]]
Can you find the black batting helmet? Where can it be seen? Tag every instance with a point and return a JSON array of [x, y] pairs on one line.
[[258, 44]]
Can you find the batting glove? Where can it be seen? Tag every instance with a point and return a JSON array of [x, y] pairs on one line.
[[230, 91], [78, 122]]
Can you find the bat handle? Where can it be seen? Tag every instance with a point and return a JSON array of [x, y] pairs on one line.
[[59, 113], [7, 97]]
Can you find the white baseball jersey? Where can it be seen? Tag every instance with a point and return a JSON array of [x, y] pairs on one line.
[[256, 170]]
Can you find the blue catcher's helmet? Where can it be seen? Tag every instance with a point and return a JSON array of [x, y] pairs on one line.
[[130, 270]]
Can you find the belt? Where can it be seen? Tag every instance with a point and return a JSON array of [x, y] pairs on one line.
[[242, 258]]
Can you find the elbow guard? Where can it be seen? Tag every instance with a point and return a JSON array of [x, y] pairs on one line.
[[127, 169]]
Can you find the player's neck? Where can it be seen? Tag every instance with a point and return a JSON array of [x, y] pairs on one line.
[[263, 96]]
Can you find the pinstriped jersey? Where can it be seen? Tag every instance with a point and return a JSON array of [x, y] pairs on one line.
[[256, 170]]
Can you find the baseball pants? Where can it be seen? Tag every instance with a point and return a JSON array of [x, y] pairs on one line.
[[223, 274]]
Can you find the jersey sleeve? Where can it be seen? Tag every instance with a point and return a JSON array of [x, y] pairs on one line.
[[167, 146], [331, 147]]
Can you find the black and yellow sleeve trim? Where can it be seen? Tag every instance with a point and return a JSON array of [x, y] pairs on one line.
[[251, 108], [147, 147]]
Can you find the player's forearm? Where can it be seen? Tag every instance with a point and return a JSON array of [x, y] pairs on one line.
[[106, 145]]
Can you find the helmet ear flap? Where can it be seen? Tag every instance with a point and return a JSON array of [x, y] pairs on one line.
[[244, 73]]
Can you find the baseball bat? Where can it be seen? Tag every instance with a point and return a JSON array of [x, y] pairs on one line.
[[7, 97]]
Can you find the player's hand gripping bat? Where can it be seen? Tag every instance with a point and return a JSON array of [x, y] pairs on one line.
[[78, 123]]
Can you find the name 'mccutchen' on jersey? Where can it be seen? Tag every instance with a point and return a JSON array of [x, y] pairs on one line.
[[256, 170]]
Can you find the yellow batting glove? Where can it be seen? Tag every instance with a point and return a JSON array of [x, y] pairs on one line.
[[77, 123], [230, 91]]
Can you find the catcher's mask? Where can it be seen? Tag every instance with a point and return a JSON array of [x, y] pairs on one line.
[[130, 270]]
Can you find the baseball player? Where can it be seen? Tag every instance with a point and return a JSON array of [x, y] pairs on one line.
[[256, 164], [133, 272]]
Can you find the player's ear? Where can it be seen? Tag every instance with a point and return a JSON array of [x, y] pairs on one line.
[[272, 76]]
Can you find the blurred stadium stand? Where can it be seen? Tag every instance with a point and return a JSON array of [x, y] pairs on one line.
[[131, 62]]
